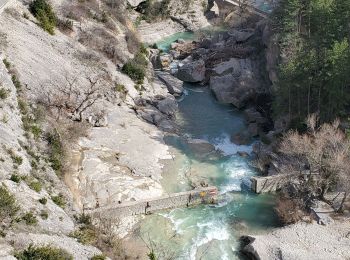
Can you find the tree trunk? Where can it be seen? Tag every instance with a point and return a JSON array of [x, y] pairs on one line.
[[341, 208]]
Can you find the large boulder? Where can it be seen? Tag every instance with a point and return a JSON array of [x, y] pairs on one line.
[[242, 35], [246, 91], [192, 72], [232, 66], [224, 88], [174, 85], [168, 106]]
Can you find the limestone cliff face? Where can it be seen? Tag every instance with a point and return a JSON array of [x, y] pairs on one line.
[[21, 157], [118, 158]]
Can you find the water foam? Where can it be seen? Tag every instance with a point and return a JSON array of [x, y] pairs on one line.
[[207, 232], [176, 222], [224, 144], [239, 173]]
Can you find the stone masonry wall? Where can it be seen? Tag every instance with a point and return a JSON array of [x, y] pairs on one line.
[[269, 183], [181, 199]]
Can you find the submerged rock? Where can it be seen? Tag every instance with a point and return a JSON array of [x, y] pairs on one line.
[[253, 129], [199, 146], [240, 139], [243, 154], [192, 72]]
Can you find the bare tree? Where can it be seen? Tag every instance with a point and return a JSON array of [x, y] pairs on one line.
[[158, 250], [77, 95], [323, 152]]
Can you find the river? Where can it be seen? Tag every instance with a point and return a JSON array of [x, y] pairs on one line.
[[208, 232]]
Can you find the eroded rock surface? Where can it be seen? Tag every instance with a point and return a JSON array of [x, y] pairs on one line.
[[192, 71], [302, 241]]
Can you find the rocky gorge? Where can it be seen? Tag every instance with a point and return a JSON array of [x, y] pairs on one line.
[[136, 132]]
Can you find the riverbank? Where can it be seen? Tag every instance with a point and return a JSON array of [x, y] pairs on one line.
[[302, 241]]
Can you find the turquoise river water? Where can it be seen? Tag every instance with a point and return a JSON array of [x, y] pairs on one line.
[[209, 232]]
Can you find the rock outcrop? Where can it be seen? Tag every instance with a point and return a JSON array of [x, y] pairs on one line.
[[224, 88], [174, 85], [301, 241], [193, 71]]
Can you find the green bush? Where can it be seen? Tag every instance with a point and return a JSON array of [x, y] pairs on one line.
[[7, 63], [43, 12], [23, 107], [143, 49], [29, 218], [59, 200], [120, 88], [3, 93], [35, 185], [98, 257], [15, 178], [36, 131], [83, 219], [56, 151], [34, 165], [85, 235], [8, 204], [136, 68], [16, 159], [134, 71], [43, 253], [16, 82], [43, 200], [44, 215]]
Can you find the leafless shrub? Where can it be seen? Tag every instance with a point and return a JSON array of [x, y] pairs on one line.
[[322, 151], [110, 24], [102, 41], [158, 250], [65, 26], [115, 9], [288, 210], [79, 10], [88, 58], [132, 41], [73, 100], [107, 238]]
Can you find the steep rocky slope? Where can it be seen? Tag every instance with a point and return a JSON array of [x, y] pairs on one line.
[[117, 160], [22, 164]]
